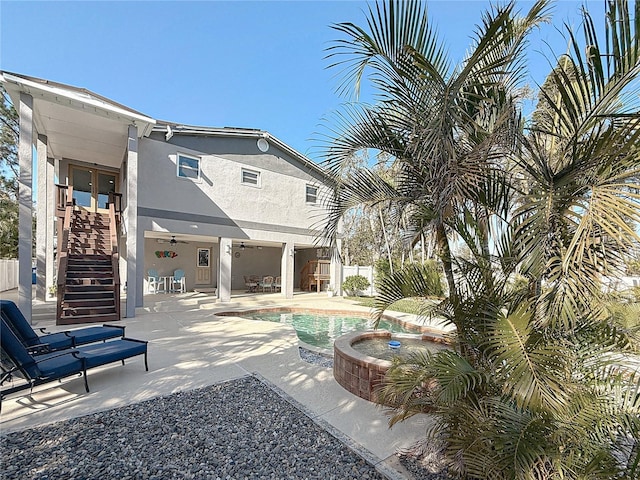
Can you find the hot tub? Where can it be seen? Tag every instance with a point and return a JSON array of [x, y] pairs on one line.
[[360, 373]]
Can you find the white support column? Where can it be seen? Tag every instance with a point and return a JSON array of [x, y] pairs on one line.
[[336, 270], [50, 212], [42, 221], [25, 204], [135, 273], [286, 269], [224, 271]]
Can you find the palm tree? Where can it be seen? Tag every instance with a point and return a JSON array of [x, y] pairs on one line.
[[534, 386], [444, 127]]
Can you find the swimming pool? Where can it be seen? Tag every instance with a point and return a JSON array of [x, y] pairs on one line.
[[320, 329]]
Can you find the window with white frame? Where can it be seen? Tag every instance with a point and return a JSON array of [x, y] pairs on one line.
[[188, 167], [250, 177], [312, 194]]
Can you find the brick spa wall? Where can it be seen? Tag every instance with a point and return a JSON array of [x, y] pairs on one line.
[[358, 373]]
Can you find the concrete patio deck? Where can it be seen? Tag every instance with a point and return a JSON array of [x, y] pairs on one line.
[[191, 347]]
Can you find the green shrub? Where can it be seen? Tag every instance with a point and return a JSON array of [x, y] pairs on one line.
[[354, 284]]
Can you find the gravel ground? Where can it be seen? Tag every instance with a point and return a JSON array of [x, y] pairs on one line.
[[315, 358], [237, 430], [418, 466]]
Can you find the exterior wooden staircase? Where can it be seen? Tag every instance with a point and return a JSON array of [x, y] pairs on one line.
[[88, 282]]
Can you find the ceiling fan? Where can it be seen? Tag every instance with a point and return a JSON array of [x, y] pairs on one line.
[[242, 246], [173, 240]]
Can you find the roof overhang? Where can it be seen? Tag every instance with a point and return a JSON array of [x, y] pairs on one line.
[[171, 129], [79, 124]]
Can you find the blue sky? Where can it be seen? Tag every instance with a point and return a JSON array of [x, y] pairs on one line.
[[252, 64]]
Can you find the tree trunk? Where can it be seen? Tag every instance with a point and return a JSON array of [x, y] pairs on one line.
[[445, 257], [386, 239]]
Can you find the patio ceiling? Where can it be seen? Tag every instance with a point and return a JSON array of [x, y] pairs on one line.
[[200, 239]]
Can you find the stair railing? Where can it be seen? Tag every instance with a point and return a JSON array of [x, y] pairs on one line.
[[115, 217], [64, 203]]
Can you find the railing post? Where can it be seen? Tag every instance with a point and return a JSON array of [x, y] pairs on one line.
[[114, 221], [63, 250]]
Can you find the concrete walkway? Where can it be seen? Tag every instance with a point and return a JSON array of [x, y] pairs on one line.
[[191, 347]]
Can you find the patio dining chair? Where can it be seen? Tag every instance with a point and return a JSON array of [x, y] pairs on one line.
[[277, 284], [16, 361], [267, 282], [15, 320], [178, 280], [251, 283], [154, 282]]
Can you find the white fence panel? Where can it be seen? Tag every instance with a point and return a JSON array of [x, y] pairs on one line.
[[365, 271], [8, 274], [620, 284]]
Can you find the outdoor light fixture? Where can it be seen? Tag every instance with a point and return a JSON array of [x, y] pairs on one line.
[[228, 249]]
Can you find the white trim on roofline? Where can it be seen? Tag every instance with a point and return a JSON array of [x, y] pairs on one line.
[[174, 129], [46, 88]]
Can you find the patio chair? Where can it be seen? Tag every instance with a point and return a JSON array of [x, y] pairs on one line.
[[53, 341], [16, 361], [251, 283], [154, 281], [267, 282], [179, 280], [277, 284]]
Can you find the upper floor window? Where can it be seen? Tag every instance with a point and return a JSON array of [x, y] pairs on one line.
[[312, 194], [250, 177], [188, 167]]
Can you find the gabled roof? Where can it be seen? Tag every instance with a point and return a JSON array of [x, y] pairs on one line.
[[79, 125], [82, 124], [71, 96]]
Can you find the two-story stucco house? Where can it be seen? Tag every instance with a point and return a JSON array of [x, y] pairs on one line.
[[220, 204]]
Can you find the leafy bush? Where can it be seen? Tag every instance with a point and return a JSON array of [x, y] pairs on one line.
[[354, 284]]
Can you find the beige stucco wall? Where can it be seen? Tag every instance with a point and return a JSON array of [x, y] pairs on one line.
[[279, 201], [219, 205]]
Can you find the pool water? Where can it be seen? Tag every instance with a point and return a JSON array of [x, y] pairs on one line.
[[379, 347], [320, 330]]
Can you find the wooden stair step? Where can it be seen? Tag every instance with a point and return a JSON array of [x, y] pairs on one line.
[[85, 259], [89, 282], [88, 251], [82, 236], [90, 240], [88, 269], [98, 302], [90, 245], [90, 224], [85, 296], [89, 274], [88, 310], [71, 288], [72, 320]]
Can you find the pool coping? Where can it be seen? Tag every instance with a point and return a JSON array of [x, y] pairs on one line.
[[356, 313]]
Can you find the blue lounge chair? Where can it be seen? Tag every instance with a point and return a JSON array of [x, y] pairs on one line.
[[16, 361], [54, 341]]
